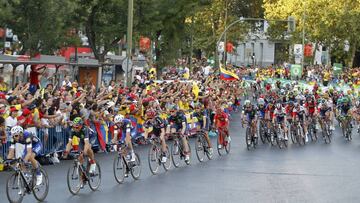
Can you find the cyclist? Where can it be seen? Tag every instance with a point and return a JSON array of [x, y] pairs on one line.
[[310, 106], [298, 114], [261, 108], [324, 112], [158, 129], [81, 132], [177, 121], [33, 147], [221, 121], [125, 127], [279, 117], [249, 113], [344, 108], [203, 118]]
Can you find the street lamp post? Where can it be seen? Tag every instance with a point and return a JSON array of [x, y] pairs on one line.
[[128, 77], [303, 38]]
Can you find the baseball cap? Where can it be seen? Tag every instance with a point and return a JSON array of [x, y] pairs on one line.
[[13, 108]]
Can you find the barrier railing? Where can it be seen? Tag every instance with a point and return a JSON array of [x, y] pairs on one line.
[[55, 139]]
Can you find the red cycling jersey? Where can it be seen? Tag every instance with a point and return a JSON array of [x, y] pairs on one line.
[[310, 106], [221, 120]]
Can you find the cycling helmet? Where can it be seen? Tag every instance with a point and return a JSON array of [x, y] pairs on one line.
[[261, 101], [247, 103], [78, 121], [16, 130], [278, 105], [118, 118], [291, 103]]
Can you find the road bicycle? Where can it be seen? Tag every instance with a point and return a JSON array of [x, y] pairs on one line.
[[312, 129], [346, 126], [223, 141], [202, 146], [297, 133], [79, 174], [250, 139], [178, 150], [123, 165], [23, 181], [326, 131], [155, 155]]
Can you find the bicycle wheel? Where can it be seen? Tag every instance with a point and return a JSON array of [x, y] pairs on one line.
[[175, 153], [273, 138], [248, 138], [349, 133], [154, 159], [136, 168], [313, 133], [74, 177], [95, 178], [300, 136], [199, 148], [41, 191], [15, 188], [119, 168], [167, 164], [285, 142], [279, 139], [262, 133], [228, 145], [293, 135]]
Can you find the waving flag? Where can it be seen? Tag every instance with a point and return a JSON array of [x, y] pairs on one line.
[[195, 90], [227, 75]]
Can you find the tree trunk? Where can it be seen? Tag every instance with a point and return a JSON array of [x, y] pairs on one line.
[[353, 52]]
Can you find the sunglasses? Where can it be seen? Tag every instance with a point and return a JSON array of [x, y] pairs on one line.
[[17, 135]]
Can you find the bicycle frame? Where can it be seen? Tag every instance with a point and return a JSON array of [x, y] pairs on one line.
[[17, 169]]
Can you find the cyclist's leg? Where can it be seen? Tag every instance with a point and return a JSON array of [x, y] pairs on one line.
[[162, 139], [254, 129], [88, 151]]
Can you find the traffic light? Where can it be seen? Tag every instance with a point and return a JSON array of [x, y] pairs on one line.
[[291, 24]]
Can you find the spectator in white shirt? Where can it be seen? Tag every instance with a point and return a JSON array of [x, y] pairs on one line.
[[66, 81], [11, 121]]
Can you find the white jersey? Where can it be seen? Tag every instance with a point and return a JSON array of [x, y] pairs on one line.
[[280, 112]]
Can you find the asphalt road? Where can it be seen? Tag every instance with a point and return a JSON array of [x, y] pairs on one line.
[[316, 172]]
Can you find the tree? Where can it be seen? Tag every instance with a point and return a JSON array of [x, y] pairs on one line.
[[39, 24], [328, 22], [104, 22]]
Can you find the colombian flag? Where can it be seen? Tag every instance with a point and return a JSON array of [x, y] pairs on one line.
[[227, 75]]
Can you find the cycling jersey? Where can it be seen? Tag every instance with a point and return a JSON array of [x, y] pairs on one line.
[[157, 124], [322, 111], [311, 107], [299, 113], [221, 120], [82, 134], [177, 121], [250, 113], [30, 141], [262, 111], [344, 109], [279, 114], [127, 126]]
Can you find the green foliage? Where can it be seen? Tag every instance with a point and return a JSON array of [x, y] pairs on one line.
[[39, 24], [104, 22]]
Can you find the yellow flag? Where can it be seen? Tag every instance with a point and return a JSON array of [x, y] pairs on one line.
[[195, 90]]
